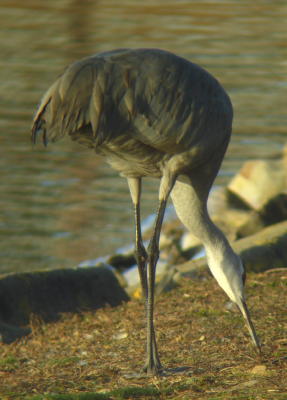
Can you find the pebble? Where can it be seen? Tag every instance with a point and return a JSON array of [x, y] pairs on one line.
[[120, 335], [259, 370]]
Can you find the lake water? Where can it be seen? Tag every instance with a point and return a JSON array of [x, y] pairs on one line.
[[62, 205]]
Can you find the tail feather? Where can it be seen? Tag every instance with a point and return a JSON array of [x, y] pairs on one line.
[[87, 102], [39, 124], [63, 110], [40, 120]]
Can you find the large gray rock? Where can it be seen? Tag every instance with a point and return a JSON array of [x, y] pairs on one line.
[[272, 212], [264, 250], [10, 333], [47, 294], [258, 181]]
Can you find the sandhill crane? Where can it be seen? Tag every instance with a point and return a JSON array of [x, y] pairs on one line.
[[152, 113]]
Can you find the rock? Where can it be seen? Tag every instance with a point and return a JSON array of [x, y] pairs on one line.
[[170, 243], [165, 240], [190, 246], [10, 333], [132, 279], [257, 182], [47, 294], [189, 241], [131, 276], [275, 210], [230, 222], [264, 250], [227, 218], [122, 261], [122, 334], [171, 232], [194, 269], [253, 224], [166, 282], [101, 262]]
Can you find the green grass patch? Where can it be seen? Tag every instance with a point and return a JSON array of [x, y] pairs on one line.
[[9, 363], [62, 362]]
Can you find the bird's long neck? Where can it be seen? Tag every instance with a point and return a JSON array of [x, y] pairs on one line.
[[224, 264], [192, 211], [213, 239], [217, 248]]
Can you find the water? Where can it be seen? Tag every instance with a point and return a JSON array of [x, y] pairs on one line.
[[62, 205]]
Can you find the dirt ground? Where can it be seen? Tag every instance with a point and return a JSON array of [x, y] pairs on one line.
[[92, 355]]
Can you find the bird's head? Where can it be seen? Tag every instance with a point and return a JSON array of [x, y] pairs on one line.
[[228, 269]]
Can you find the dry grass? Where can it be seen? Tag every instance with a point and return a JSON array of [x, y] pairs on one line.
[[87, 355]]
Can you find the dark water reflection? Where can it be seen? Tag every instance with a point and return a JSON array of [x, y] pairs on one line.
[[62, 205]]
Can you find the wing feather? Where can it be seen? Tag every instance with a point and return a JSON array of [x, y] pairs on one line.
[[70, 104], [150, 96]]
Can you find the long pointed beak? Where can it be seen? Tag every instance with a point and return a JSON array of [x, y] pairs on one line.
[[245, 312]]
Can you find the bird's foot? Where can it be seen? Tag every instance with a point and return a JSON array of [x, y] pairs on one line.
[[153, 367]]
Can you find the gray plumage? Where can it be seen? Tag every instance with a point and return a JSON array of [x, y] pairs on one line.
[[152, 113], [148, 105]]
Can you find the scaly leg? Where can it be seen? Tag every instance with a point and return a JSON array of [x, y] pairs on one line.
[[153, 365], [140, 251], [141, 254]]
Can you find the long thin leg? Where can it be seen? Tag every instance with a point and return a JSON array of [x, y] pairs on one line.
[[140, 252], [153, 365]]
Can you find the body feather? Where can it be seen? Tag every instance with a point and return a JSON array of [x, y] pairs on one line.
[[149, 100]]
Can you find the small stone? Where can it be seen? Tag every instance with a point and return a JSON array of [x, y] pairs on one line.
[[88, 336], [120, 335], [259, 370], [82, 363]]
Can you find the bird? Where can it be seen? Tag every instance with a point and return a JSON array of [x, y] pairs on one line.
[[152, 113]]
